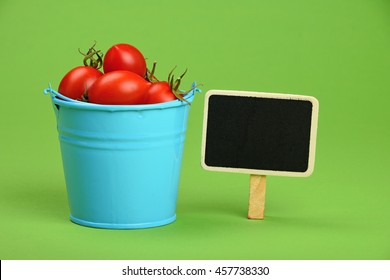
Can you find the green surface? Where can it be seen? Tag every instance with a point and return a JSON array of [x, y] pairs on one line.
[[336, 50]]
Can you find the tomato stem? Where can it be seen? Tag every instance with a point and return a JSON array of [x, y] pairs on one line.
[[150, 74], [174, 84], [90, 60], [170, 73]]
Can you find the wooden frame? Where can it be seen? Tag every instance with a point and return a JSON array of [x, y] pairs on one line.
[[313, 132]]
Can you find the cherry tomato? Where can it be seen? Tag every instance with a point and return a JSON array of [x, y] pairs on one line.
[[159, 92], [124, 57], [119, 87], [78, 80]]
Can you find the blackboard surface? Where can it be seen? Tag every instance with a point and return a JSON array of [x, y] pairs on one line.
[[259, 133]]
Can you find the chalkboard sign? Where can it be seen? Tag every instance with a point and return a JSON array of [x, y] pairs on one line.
[[259, 133]]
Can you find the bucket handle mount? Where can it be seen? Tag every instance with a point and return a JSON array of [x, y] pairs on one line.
[[54, 93]]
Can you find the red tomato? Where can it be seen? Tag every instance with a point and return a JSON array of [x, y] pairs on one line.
[[124, 57], [118, 87], [159, 92], [78, 80]]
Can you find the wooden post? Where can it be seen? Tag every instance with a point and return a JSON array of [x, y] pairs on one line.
[[257, 197]]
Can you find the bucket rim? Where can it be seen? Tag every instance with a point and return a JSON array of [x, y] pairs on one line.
[[136, 107]]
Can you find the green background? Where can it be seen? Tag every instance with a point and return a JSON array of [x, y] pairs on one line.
[[335, 50]]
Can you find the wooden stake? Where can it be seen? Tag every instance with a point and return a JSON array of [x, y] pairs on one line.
[[257, 197]]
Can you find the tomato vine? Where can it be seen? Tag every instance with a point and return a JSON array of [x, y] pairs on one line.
[[91, 60]]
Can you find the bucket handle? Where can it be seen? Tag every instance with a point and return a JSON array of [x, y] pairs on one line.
[[194, 87], [54, 93]]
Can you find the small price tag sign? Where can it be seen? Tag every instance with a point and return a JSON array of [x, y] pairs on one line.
[[260, 134]]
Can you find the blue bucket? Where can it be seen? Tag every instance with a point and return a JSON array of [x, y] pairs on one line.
[[121, 162]]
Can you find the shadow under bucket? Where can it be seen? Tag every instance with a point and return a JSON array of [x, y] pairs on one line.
[[122, 162]]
